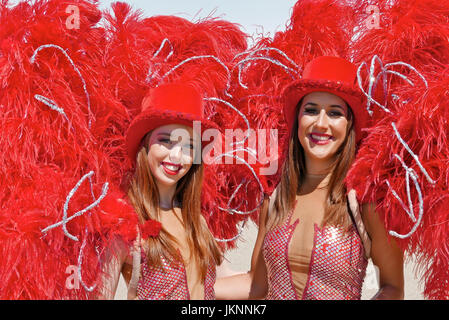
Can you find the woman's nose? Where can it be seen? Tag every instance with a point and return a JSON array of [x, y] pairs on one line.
[[176, 154], [322, 121]]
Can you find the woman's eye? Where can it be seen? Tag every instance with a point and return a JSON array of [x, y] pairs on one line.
[[335, 114], [165, 140], [310, 111]]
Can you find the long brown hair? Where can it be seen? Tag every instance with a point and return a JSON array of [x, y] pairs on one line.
[[294, 171], [144, 196]]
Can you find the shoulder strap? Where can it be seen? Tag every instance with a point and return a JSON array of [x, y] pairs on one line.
[[355, 210]]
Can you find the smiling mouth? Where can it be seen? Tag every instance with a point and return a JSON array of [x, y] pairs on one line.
[[171, 168], [319, 138]]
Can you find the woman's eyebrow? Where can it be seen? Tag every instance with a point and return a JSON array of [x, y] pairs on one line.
[[313, 104], [337, 106], [163, 135]]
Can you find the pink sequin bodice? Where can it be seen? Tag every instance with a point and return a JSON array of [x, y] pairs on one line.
[[337, 266], [170, 282]]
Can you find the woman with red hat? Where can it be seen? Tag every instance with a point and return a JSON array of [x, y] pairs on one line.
[[175, 259], [313, 241]]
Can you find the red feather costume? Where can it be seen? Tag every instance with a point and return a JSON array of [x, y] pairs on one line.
[[67, 96], [57, 136], [406, 142], [406, 152]]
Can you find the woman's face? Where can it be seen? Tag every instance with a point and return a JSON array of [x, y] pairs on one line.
[[322, 125], [170, 153]]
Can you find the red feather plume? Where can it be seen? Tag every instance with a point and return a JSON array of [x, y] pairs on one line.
[[414, 33], [58, 123]]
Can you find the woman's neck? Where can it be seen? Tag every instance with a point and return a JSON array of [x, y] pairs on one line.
[[313, 182], [166, 194], [317, 175], [316, 167]]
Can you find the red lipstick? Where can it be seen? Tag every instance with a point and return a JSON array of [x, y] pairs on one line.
[[320, 138], [170, 171]]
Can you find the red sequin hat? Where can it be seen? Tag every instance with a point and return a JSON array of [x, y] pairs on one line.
[[167, 104], [329, 74]]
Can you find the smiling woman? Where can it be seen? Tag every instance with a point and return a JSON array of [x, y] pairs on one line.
[[328, 240], [327, 117], [179, 262], [324, 123], [313, 242], [169, 160]]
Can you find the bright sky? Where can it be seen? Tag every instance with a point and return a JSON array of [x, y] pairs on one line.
[[255, 16]]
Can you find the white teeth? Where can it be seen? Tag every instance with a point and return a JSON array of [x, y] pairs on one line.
[[320, 138], [172, 168]]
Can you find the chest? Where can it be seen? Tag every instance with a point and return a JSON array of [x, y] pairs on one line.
[[330, 259], [173, 225]]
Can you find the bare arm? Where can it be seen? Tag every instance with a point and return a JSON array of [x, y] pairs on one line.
[[253, 284], [114, 259], [386, 255], [135, 274]]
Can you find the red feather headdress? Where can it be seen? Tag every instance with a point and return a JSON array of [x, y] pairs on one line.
[[403, 71], [58, 129]]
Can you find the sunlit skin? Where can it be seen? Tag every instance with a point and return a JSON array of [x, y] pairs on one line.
[[170, 157], [322, 127]]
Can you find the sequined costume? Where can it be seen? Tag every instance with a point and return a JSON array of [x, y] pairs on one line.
[[336, 267], [170, 282]]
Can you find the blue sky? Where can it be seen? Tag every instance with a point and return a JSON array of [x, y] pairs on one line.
[[255, 16]]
